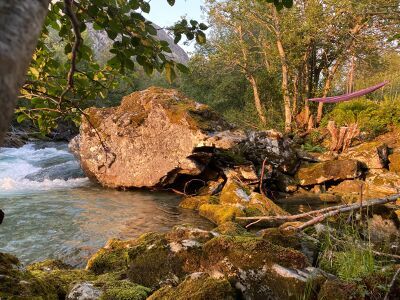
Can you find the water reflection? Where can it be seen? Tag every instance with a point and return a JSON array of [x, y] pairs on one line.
[[73, 224]]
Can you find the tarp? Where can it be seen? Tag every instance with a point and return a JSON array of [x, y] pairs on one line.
[[350, 96]]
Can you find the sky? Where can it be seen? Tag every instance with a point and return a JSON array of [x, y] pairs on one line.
[[164, 15]]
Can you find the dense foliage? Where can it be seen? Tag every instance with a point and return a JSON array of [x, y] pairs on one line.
[[258, 56]]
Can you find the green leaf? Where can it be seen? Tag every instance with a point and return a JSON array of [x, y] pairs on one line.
[[170, 73], [203, 26], [182, 68], [150, 29], [201, 37], [171, 2], [112, 34], [145, 7], [177, 38], [148, 68], [21, 118], [67, 48]]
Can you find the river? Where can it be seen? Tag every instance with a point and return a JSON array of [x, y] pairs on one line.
[[53, 211]]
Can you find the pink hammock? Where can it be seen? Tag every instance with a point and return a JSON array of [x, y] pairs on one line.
[[350, 96]]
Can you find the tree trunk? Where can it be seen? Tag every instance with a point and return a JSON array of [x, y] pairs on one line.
[[250, 77], [21, 22], [285, 75], [350, 76], [257, 100]]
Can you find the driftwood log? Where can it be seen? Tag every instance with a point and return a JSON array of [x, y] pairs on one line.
[[318, 216]]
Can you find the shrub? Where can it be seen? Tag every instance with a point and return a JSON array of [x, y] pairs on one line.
[[374, 118]]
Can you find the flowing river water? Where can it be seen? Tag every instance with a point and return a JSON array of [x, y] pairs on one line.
[[53, 211]]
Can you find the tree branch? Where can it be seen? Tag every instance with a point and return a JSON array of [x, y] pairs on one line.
[[69, 11]]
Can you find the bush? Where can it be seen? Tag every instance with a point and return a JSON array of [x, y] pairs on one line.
[[374, 118]]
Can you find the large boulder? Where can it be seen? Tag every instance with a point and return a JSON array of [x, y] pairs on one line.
[[373, 154], [148, 140], [335, 170], [159, 137]]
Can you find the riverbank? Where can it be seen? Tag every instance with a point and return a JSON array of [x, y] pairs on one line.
[[161, 140]]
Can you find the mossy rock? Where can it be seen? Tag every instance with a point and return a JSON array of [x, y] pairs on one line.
[[219, 214], [181, 233], [297, 241], [49, 265], [264, 205], [62, 280], [154, 263], [124, 290], [198, 286], [321, 172], [234, 193], [196, 201], [247, 252], [250, 263], [231, 228], [112, 257], [17, 283]]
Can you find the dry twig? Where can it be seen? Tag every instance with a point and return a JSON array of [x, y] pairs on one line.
[[326, 212]]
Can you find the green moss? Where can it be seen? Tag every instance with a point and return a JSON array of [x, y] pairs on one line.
[[234, 193], [114, 256], [49, 265], [282, 238], [17, 283], [220, 214], [124, 290], [261, 205], [196, 201], [152, 262], [201, 288], [249, 252], [63, 280], [231, 228]]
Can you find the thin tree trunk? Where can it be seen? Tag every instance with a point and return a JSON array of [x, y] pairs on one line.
[[257, 100], [351, 76], [285, 75], [295, 94], [250, 78], [21, 22]]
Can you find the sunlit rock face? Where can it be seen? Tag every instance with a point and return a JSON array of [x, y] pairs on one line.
[[148, 140], [158, 137]]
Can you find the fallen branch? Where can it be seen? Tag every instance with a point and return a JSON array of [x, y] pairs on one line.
[[322, 214], [309, 214], [351, 207]]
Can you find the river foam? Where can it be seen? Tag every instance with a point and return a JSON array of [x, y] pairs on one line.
[[34, 168]]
